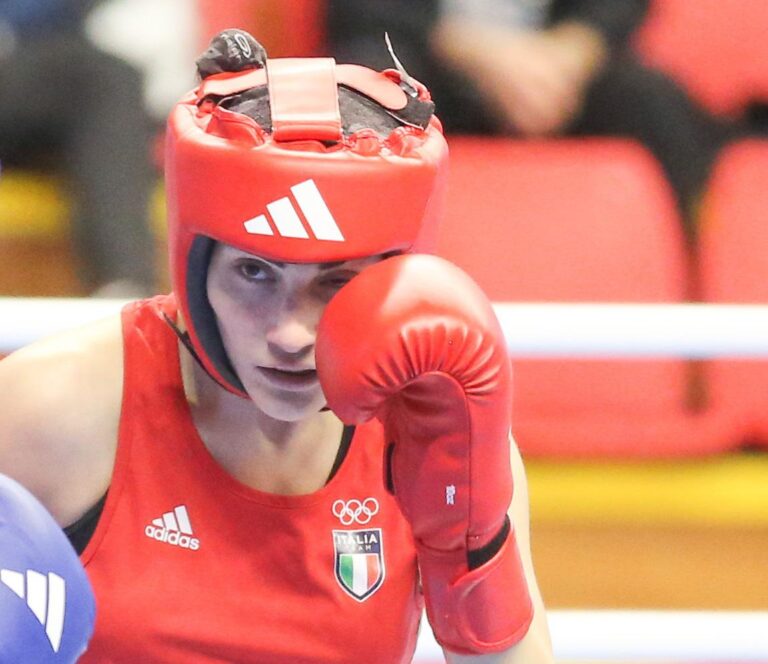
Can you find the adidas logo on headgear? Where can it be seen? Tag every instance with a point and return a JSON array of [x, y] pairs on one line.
[[46, 597], [287, 221], [173, 528]]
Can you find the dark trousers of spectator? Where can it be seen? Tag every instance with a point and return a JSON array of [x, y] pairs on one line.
[[634, 101], [626, 100], [73, 109]]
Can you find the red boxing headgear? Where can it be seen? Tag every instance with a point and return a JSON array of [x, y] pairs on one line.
[[306, 191]]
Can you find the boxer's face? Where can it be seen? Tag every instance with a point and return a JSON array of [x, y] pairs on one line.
[[267, 314]]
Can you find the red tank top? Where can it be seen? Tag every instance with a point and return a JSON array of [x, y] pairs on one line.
[[189, 565]]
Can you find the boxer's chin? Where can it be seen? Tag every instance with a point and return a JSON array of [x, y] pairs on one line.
[[284, 403]]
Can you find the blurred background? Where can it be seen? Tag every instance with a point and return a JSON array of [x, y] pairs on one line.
[[602, 151]]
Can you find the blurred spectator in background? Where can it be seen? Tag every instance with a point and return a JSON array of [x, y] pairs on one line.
[[537, 68], [73, 104], [158, 37]]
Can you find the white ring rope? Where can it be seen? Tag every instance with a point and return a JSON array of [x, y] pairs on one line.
[[648, 636], [532, 330]]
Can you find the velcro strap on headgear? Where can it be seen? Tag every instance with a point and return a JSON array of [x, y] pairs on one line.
[[304, 99]]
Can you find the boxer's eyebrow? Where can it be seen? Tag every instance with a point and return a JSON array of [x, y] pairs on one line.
[[322, 266], [331, 265]]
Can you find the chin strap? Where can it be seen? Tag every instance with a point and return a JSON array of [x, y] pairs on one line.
[[184, 338]]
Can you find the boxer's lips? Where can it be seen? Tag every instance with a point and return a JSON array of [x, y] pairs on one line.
[[289, 378]]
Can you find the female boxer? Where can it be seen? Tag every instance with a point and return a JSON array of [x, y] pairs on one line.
[[308, 441]]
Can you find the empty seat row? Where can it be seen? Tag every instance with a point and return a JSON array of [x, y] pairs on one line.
[[594, 221]]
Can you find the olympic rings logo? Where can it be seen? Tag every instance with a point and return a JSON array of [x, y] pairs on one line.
[[355, 511]]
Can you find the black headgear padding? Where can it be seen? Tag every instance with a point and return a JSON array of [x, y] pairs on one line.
[[230, 51], [203, 317]]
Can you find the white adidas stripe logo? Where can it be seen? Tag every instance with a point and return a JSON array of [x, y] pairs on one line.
[[173, 528], [46, 598], [289, 224], [176, 520]]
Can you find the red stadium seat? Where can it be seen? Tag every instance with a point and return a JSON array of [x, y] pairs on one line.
[[716, 48], [734, 265], [218, 15], [285, 27], [578, 221]]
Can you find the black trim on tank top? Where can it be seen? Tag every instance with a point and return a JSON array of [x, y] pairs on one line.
[[184, 338], [80, 532], [346, 442]]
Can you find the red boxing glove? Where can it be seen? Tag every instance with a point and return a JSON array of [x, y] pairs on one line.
[[413, 341]]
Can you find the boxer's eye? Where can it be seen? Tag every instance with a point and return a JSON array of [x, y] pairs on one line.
[[253, 270], [338, 280]]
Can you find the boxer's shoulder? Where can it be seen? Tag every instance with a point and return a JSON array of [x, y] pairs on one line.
[[59, 416], [66, 376]]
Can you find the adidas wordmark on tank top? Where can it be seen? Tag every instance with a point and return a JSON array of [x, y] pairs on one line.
[[173, 528]]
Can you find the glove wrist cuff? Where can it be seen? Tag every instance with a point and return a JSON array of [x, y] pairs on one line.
[[483, 610]]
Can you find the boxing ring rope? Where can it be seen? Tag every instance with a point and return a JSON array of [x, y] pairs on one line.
[[648, 636], [552, 330], [531, 330]]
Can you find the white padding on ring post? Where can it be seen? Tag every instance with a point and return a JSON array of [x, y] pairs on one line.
[[648, 636], [531, 330]]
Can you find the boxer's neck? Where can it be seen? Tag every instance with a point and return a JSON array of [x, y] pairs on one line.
[[262, 452]]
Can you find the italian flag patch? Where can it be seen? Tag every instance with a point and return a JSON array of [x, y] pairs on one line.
[[359, 561]]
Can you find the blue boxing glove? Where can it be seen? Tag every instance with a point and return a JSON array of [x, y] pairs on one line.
[[47, 608]]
